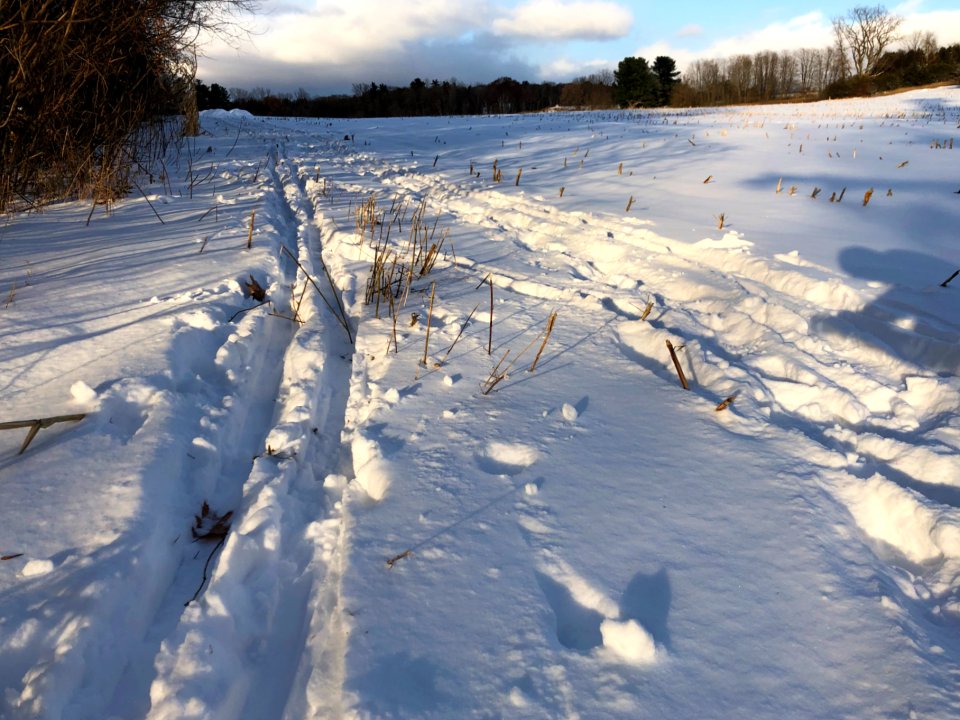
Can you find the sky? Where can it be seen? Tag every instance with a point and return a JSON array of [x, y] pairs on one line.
[[324, 46]]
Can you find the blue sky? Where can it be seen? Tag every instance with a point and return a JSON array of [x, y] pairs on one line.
[[326, 45]]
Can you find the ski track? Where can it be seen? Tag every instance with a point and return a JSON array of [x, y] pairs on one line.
[[273, 572], [279, 569]]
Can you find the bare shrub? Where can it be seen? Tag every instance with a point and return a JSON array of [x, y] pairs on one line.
[[91, 90]]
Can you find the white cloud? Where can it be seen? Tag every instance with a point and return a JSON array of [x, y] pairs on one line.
[[562, 69], [692, 30], [810, 30], [907, 8], [342, 33], [326, 45], [662, 47], [557, 21], [945, 24]]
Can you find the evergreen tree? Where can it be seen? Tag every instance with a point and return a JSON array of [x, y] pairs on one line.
[[636, 85], [665, 68], [211, 97]]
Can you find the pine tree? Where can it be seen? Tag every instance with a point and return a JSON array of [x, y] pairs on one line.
[[665, 68], [636, 85]]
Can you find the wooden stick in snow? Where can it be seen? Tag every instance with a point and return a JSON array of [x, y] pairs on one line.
[[676, 364], [250, 235], [36, 425]]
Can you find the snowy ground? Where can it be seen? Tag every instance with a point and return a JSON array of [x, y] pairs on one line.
[[588, 540]]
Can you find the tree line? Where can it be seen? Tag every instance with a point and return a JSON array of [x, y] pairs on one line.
[[633, 84], [420, 97]]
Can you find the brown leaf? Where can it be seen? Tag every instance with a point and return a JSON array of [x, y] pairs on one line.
[[256, 292], [211, 526]]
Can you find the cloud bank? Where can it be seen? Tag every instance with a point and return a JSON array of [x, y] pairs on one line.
[[326, 45], [809, 30]]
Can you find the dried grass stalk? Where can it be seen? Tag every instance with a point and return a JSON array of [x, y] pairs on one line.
[[550, 322], [726, 403], [426, 342]]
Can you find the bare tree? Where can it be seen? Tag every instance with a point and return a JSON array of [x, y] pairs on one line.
[[786, 72], [840, 49], [834, 66], [765, 74], [820, 67], [706, 77], [602, 77], [922, 42], [739, 73], [806, 58], [913, 42], [867, 32], [930, 47]]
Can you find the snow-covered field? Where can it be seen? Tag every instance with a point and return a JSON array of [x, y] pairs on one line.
[[588, 540]]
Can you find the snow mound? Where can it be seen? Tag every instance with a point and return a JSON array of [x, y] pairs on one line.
[[506, 458], [628, 641], [896, 519], [37, 567], [82, 392], [225, 114]]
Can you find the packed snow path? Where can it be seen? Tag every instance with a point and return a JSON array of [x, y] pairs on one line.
[[587, 540]]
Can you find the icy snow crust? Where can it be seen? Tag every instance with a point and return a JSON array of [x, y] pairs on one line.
[[589, 540]]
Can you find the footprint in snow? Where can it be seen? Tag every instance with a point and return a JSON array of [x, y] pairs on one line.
[[506, 458]]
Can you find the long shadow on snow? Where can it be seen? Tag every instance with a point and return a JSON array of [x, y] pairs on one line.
[[933, 343]]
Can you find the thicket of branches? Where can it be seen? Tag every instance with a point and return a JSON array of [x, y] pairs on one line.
[[92, 89]]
